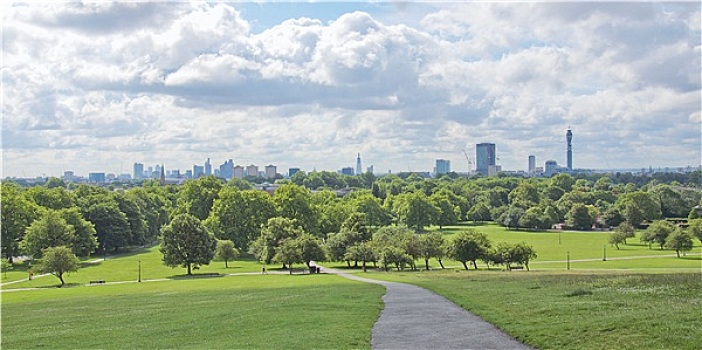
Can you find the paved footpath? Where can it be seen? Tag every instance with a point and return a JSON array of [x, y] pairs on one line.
[[415, 318]]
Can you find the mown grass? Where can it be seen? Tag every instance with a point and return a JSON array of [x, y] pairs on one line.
[[577, 310], [252, 312], [126, 268]]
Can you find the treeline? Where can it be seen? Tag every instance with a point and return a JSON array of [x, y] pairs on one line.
[[90, 219]]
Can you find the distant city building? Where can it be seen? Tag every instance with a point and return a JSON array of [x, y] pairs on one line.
[[238, 172], [97, 178], [198, 171], [370, 169], [69, 176], [162, 177], [569, 149], [358, 165], [138, 171], [292, 171], [347, 171], [443, 166], [208, 167], [188, 174], [550, 168], [532, 164], [494, 169], [252, 170], [226, 170], [485, 157], [271, 171]]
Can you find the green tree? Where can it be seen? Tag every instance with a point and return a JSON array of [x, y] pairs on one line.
[[671, 201], [447, 213], [564, 181], [312, 248], [51, 230], [658, 232], [238, 215], [288, 253], [275, 231], [376, 214], [17, 214], [186, 242], [511, 217], [469, 246], [479, 213], [58, 261], [294, 202], [581, 217], [393, 255], [532, 218], [627, 230], [416, 211], [525, 195], [52, 198], [135, 218], [226, 251], [198, 196], [519, 253], [679, 240], [695, 228], [638, 206], [617, 237], [432, 246], [84, 239], [363, 252], [111, 225]]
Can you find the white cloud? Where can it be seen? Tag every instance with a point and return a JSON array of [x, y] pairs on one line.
[[88, 83]]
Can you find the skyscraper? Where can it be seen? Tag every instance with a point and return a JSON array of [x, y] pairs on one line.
[[532, 164], [443, 166], [208, 167], [569, 151], [358, 165], [138, 170], [271, 171], [485, 157]]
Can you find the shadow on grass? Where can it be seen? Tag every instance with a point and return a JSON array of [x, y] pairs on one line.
[[691, 257], [196, 276]]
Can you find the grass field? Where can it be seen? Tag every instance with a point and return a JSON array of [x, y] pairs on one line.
[[577, 310], [262, 312], [126, 268]]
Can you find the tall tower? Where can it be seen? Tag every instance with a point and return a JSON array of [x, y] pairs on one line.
[[358, 165], [484, 157], [162, 178], [532, 164], [569, 152]]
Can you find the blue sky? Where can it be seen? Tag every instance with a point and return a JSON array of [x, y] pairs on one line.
[[97, 86]]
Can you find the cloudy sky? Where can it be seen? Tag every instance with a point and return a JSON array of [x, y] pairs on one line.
[[97, 86]]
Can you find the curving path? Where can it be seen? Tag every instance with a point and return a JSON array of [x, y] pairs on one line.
[[415, 318]]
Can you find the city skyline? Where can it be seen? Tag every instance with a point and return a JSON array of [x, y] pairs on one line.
[[92, 87]]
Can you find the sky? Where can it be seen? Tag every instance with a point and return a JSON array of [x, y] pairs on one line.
[[98, 86]]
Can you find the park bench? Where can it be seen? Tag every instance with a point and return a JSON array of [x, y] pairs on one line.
[[97, 282]]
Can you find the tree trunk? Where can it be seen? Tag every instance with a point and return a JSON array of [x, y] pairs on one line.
[[60, 276], [290, 269], [442, 264], [364, 266], [475, 265], [464, 265], [308, 264], [426, 263], [527, 266], [348, 263], [189, 271], [226, 265], [355, 263], [677, 252]]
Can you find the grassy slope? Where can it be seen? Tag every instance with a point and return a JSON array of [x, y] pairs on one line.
[[126, 268], [272, 312], [578, 310]]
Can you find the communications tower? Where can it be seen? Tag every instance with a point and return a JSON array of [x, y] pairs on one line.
[[569, 150]]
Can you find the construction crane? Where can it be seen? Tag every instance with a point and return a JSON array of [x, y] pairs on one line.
[[470, 161]]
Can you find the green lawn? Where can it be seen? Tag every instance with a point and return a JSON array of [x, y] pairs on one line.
[[577, 310], [262, 312], [126, 268]]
